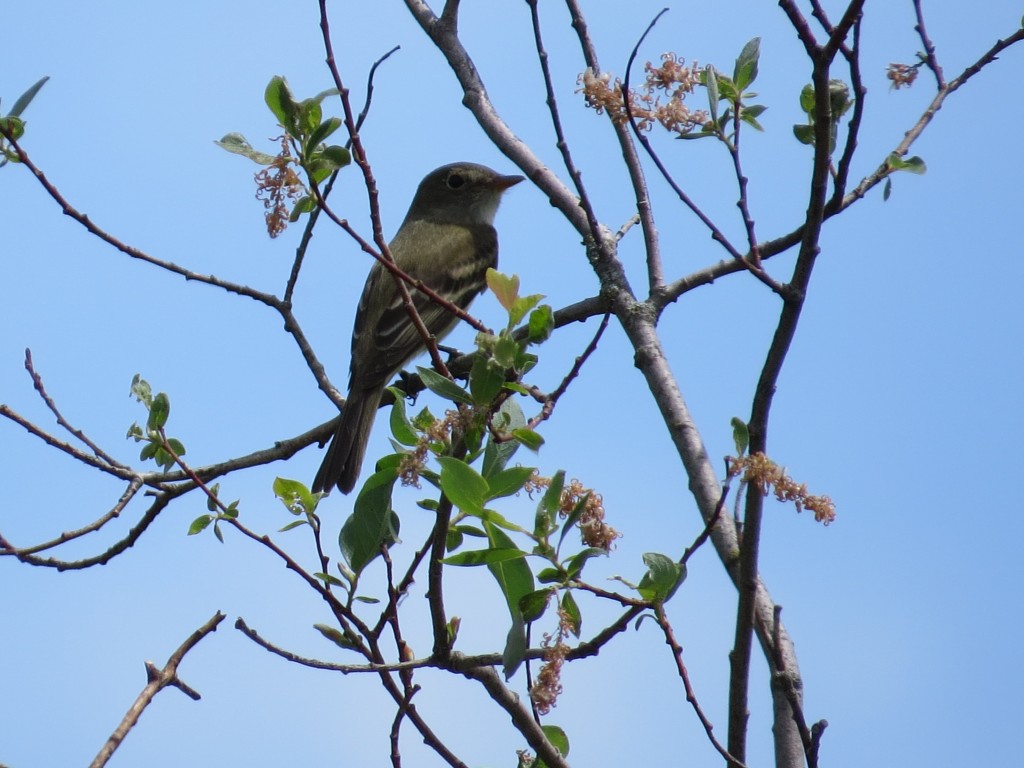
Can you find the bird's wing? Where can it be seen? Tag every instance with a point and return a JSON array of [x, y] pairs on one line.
[[454, 264]]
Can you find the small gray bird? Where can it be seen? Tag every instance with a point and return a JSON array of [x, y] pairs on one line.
[[448, 241]]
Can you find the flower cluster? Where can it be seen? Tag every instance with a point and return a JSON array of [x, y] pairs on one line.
[[765, 474], [414, 461], [277, 184], [594, 531], [548, 685], [901, 75], [659, 100]]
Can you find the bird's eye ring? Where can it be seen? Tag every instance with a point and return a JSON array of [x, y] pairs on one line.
[[455, 180]]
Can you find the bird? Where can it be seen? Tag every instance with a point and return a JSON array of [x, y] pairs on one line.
[[448, 241]]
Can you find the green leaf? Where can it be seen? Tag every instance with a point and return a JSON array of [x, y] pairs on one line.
[[887, 189], [463, 485], [663, 577], [442, 386], [14, 126], [740, 435], [711, 81], [372, 522], [148, 451], [278, 97], [199, 524], [807, 99], [550, 576], [515, 647], [141, 390], [746, 64], [838, 98], [513, 575], [310, 116], [485, 379], [506, 349], [237, 143], [533, 604], [542, 324], [551, 501], [304, 204], [507, 481], [294, 495], [321, 132], [521, 306], [401, 427], [804, 134], [175, 445], [572, 612], [912, 164], [496, 455], [484, 556], [26, 98], [160, 409], [504, 287], [574, 565], [292, 524], [557, 738], [337, 156], [211, 499], [336, 636], [529, 438], [574, 516]]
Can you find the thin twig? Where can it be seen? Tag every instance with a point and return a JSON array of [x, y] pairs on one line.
[[691, 697], [158, 680], [929, 47], [66, 536], [37, 383], [563, 146], [552, 400]]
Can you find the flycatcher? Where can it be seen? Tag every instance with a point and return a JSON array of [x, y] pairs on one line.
[[448, 241]]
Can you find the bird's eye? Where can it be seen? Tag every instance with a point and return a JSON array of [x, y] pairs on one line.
[[455, 180]]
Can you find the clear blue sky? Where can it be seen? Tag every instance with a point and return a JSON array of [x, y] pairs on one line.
[[900, 398]]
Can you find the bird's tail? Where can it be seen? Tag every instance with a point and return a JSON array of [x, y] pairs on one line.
[[345, 454]]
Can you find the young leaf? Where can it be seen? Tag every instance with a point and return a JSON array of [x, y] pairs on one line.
[[199, 524], [504, 287], [484, 556], [443, 387], [507, 481], [711, 81], [572, 613], [557, 738], [371, 523], [321, 132], [159, 410], [26, 98], [239, 145], [401, 427], [663, 577], [529, 438], [746, 65], [740, 435], [335, 636], [533, 604], [542, 323], [336, 156], [278, 97], [485, 379], [466, 488], [496, 455], [141, 390]]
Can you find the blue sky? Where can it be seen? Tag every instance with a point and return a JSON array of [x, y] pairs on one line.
[[899, 399]]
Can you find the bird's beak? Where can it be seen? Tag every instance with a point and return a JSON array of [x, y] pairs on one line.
[[501, 183]]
